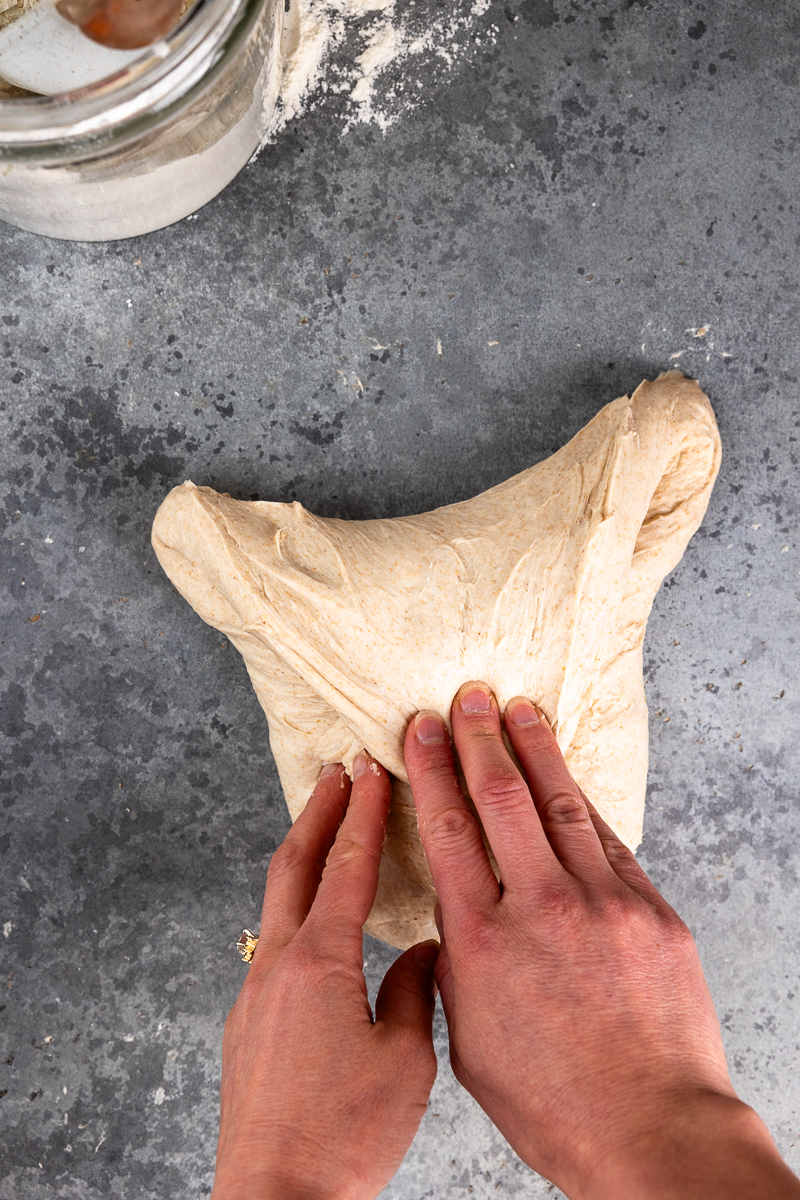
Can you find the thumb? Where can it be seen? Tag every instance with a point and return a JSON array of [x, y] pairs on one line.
[[407, 995]]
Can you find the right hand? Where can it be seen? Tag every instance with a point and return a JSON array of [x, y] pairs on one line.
[[578, 1013]]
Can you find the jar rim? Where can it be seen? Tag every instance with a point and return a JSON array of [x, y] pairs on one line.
[[137, 99]]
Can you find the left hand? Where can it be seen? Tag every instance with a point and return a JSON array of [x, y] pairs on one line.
[[319, 1099]]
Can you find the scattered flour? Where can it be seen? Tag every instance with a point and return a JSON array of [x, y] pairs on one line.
[[344, 47]]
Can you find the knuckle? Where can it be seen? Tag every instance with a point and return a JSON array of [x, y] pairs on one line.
[[450, 827], [678, 934], [557, 902], [563, 808], [618, 853], [347, 850], [483, 728], [285, 861], [618, 911], [542, 753], [633, 922], [503, 789], [435, 777], [437, 773]]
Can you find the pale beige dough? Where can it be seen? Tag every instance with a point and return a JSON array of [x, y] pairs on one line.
[[541, 586]]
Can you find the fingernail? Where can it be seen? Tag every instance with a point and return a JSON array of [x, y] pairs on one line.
[[475, 698], [429, 728], [329, 769], [426, 953], [360, 765], [521, 712]]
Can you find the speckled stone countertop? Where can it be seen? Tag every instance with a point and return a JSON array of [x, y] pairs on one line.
[[602, 190]]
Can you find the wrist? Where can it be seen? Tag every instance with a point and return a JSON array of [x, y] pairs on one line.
[[713, 1147], [243, 1185], [243, 1180]]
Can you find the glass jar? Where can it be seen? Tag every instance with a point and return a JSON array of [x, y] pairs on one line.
[[152, 143]]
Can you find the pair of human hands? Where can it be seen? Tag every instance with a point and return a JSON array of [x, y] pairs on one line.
[[578, 1014]]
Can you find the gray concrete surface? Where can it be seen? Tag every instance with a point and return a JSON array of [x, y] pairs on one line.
[[565, 214]]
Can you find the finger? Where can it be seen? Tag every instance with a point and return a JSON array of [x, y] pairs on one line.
[[443, 974], [623, 862], [450, 835], [559, 801], [296, 866], [499, 791], [349, 881], [407, 996]]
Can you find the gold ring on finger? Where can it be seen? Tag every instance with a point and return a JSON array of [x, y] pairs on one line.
[[246, 944]]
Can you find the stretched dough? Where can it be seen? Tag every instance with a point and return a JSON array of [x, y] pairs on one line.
[[541, 586]]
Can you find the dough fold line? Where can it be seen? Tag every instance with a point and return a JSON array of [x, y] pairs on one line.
[[541, 586]]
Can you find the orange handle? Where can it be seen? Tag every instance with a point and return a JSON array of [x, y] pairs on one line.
[[122, 24]]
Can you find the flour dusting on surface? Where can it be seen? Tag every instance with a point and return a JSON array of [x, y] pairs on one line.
[[372, 54]]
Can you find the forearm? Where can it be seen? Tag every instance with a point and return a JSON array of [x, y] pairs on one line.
[[718, 1150]]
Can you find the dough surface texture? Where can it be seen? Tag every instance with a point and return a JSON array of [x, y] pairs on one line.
[[540, 586]]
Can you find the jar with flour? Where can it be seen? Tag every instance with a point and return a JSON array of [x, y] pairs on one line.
[[151, 143]]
